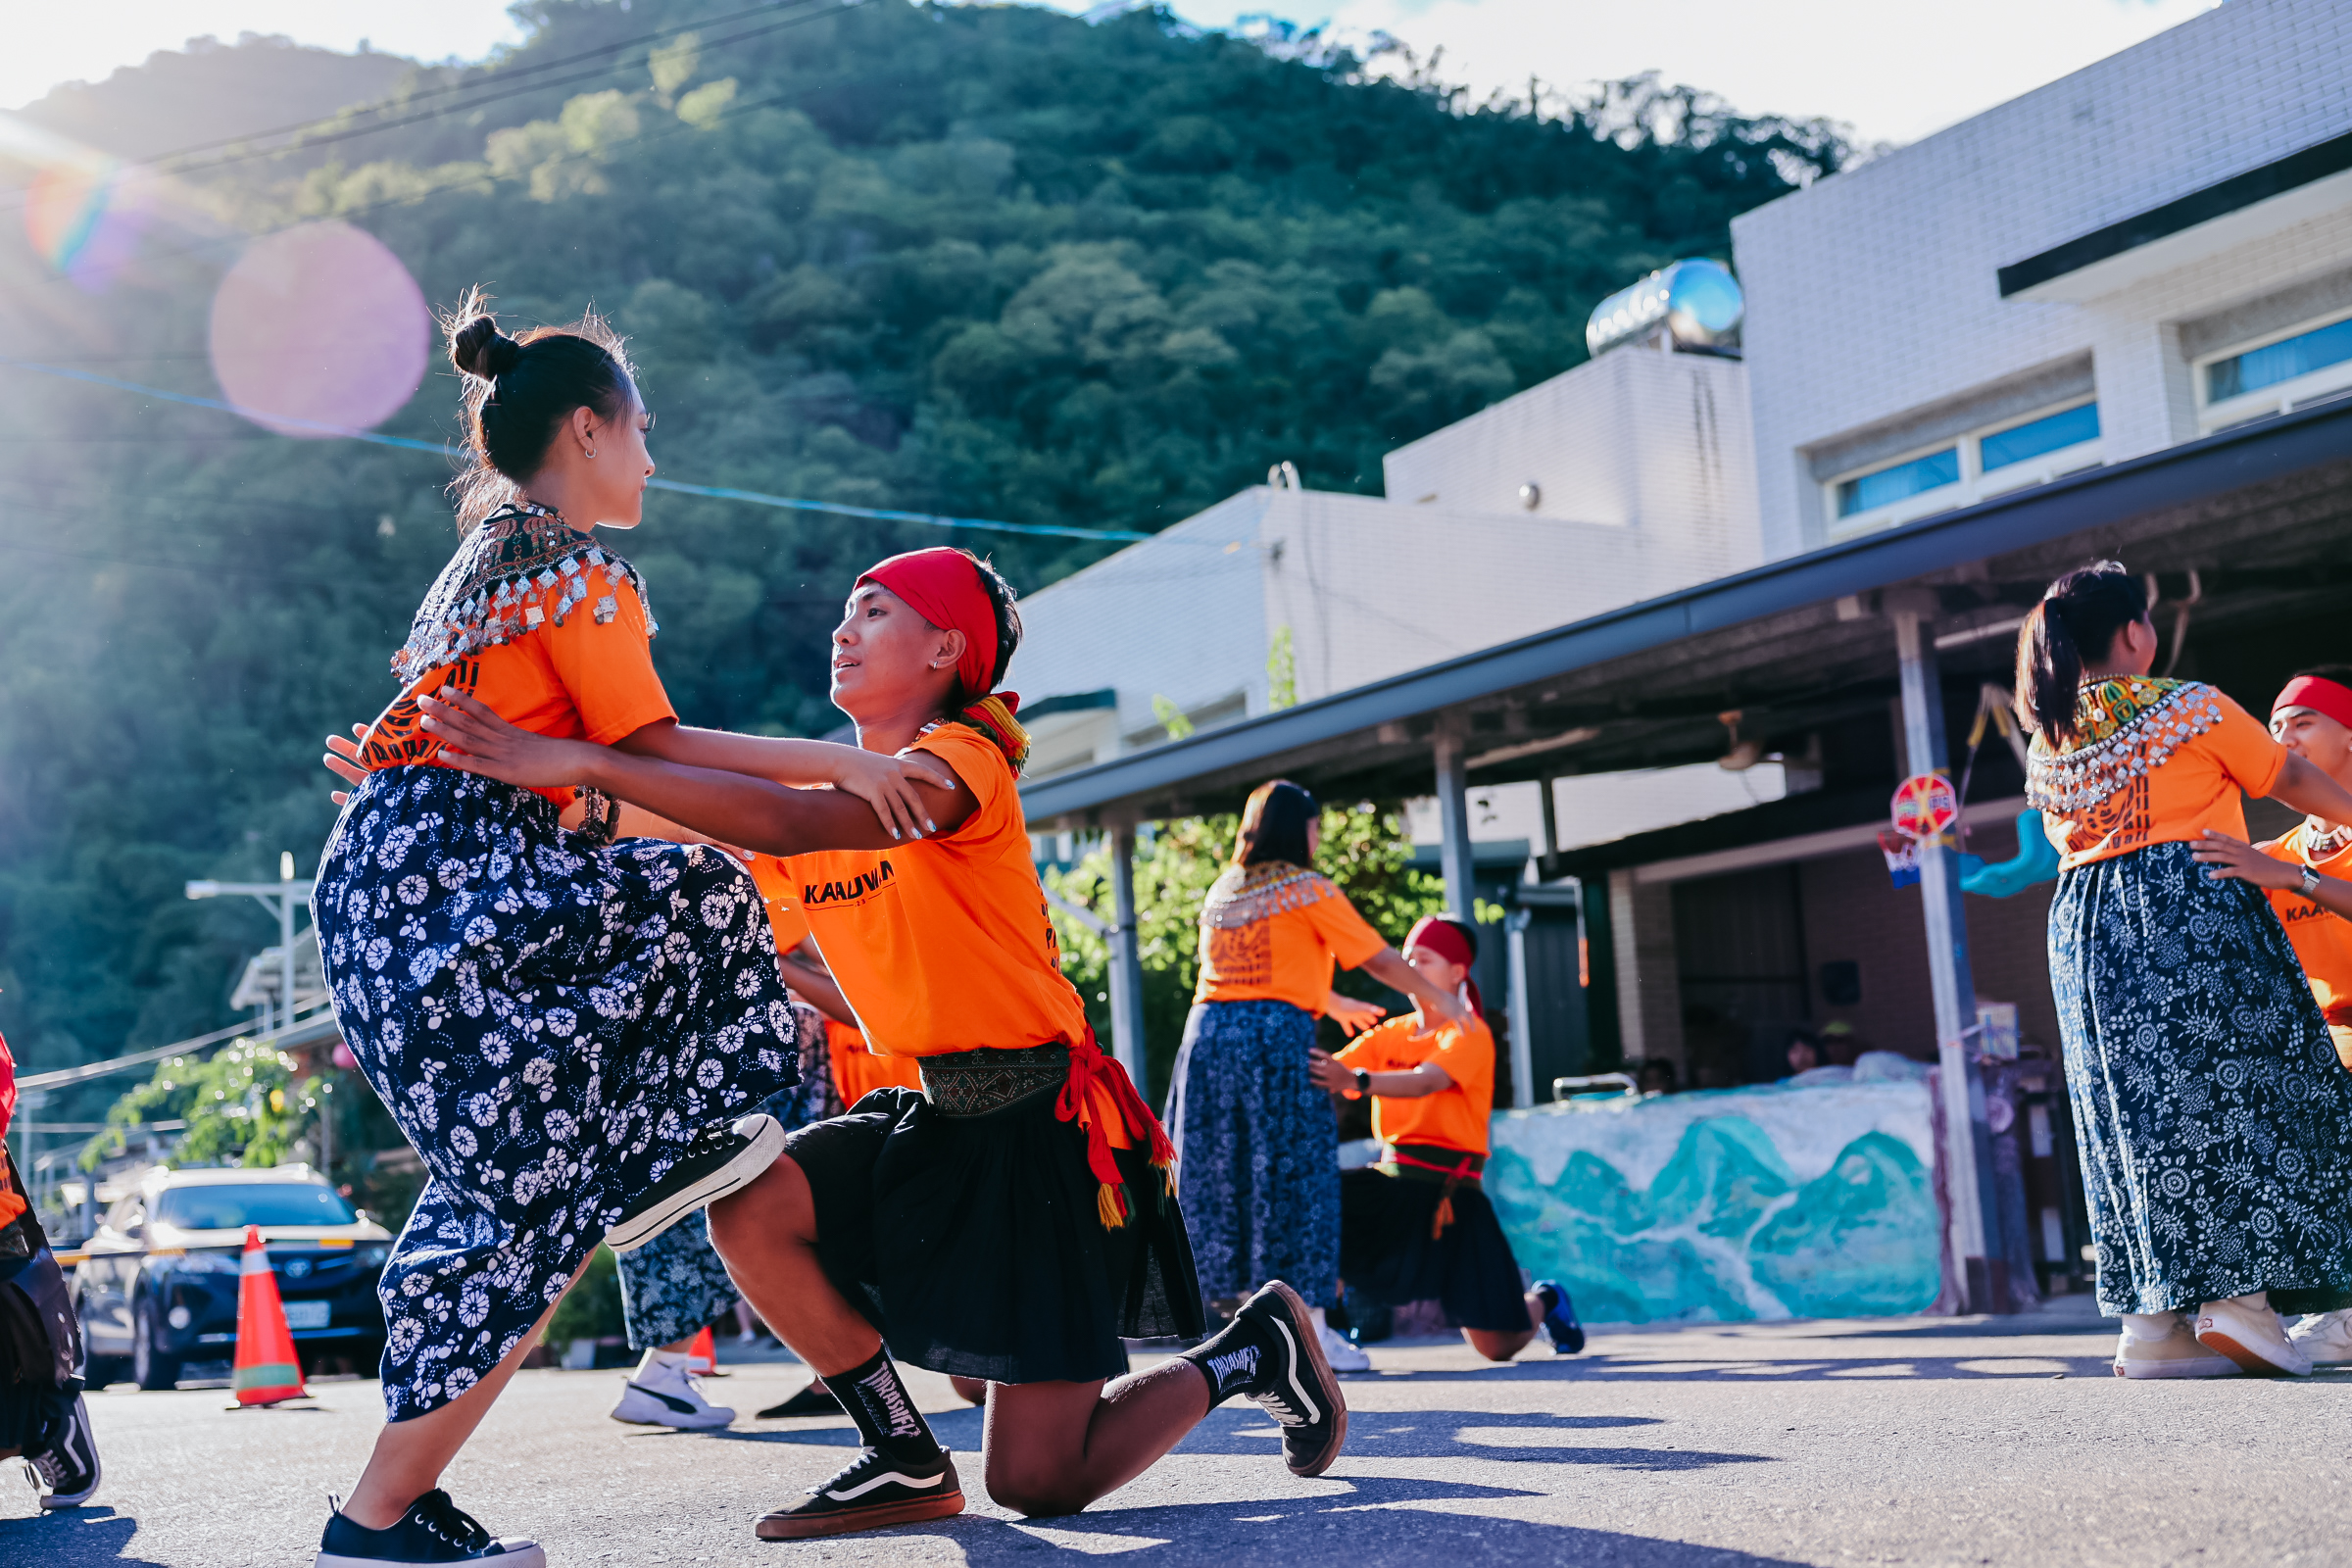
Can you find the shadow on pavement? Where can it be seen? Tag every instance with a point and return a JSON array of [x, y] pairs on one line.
[[71, 1537], [1376, 1521], [1438, 1435], [1371, 1435]]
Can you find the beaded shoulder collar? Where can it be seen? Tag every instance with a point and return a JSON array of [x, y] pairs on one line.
[[1244, 894], [522, 567], [2126, 725]]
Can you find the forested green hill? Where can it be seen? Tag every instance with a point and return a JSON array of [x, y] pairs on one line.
[[989, 261]]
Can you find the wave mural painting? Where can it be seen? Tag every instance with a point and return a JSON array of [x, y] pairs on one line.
[[1731, 1205]]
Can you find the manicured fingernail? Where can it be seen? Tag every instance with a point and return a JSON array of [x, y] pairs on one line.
[[893, 832], [932, 826]]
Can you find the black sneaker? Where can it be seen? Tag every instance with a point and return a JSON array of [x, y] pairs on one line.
[[718, 1161], [814, 1400], [68, 1473], [434, 1531], [871, 1493], [1295, 1384]]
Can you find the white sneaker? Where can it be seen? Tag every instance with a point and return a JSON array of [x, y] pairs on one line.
[[2324, 1336], [1342, 1352], [2244, 1329], [2163, 1348], [661, 1393]]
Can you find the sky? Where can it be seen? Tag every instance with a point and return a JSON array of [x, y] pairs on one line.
[[1893, 70]]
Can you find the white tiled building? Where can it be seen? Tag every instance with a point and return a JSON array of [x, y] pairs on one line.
[[1885, 347], [1619, 480]]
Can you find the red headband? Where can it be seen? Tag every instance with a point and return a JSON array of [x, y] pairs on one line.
[[943, 586], [2319, 694], [1449, 941]]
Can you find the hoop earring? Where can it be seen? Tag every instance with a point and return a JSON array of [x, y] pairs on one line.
[[592, 454]]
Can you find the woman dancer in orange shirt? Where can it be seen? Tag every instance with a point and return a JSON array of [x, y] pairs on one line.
[[2214, 1121], [1257, 1140], [1014, 1220], [574, 1035]]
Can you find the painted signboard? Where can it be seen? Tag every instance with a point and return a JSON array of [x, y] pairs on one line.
[[1776, 1201]]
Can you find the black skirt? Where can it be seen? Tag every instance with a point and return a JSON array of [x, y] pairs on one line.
[[1388, 1255], [973, 1245]]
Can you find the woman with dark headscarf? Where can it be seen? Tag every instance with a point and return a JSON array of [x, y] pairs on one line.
[[1417, 1226], [2215, 1123], [1258, 1166]]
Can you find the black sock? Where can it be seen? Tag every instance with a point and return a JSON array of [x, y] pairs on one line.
[[1236, 1359], [885, 1413]]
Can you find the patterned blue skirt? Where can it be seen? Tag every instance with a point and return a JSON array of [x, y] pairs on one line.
[[2213, 1120], [550, 1023], [676, 1283], [1257, 1162]]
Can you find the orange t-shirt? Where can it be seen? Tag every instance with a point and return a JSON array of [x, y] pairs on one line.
[[944, 944], [1272, 932], [2322, 938], [774, 879], [12, 1202], [2161, 761], [858, 1072], [589, 678], [855, 1069], [1453, 1117]]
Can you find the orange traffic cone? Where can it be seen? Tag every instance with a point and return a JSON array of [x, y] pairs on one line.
[[267, 1370], [702, 1353]]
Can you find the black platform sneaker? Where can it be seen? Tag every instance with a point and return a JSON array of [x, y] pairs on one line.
[[720, 1160], [1293, 1381], [814, 1400], [434, 1531], [68, 1473], [871, 1493]]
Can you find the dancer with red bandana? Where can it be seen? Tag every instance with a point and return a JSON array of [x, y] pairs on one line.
[[2304, 875], [1014, 1220], [1417, 1226]]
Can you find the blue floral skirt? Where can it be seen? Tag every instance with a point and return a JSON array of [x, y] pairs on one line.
[[2213, 1120], [550, 1023], [1257, 1162], [675, 1284]]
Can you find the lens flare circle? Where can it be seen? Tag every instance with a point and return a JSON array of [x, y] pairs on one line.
[[84, 218], [317, 330]]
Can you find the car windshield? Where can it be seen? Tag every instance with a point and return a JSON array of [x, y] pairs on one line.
[[230, 1207]]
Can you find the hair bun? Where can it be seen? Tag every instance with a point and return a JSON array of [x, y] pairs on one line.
[[482, 351]]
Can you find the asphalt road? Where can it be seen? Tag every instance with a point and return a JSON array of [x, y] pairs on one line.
[[1910, 1441]]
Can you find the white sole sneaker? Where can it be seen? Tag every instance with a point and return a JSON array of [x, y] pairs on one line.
[[2210, 1365], [2235, 1335], [765, 1141], [641, 1406], [1343, 1353]]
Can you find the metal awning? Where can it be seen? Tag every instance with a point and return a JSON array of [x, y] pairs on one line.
[[2260, 515]]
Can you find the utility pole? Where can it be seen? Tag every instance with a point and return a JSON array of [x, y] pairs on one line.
[[281, 897]]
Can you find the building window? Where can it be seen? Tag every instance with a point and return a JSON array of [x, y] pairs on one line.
[[1867, 492], [1982, 463], [2038, 437], [2272, 378]]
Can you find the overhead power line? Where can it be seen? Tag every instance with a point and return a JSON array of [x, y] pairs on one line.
[[755, 497]]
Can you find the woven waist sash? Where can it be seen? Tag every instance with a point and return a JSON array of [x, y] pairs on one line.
[[973, 1083], [1451, 1169]]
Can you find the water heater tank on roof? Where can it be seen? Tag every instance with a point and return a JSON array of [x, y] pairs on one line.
[[1695, 304]]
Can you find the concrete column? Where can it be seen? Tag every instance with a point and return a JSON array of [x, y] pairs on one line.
[[1453, 822], [1968, 1140], [1126, 961], [1649, 987]]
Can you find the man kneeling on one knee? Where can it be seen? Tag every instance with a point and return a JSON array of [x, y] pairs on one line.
[[1416, 1226]]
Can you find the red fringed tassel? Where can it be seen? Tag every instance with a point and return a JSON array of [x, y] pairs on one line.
[[1088, 1065]]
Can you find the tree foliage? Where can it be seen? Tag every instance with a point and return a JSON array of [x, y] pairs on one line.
[[1364, 849], [982, 259]]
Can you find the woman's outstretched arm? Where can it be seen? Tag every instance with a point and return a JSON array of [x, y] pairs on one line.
[[1388, 966], [2305, 786], [731, 808]]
